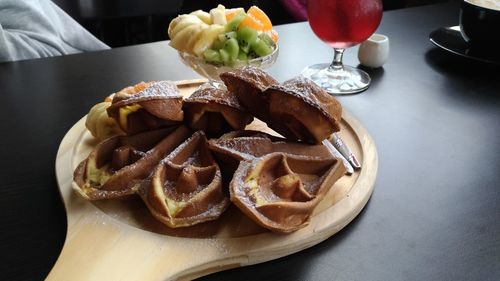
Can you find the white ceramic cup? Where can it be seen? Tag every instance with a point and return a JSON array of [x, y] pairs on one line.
[[374, 52]]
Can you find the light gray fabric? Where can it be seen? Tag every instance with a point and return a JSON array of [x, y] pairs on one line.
[[39, 28]]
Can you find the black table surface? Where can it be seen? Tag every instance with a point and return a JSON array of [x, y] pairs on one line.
[[434, 116]]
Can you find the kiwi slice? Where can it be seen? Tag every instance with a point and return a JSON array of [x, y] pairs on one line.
[[217, 44], [242, 56], [212, 56], [233, 24], [224, 56], [232, 48], [246, 37], [261, 48], [226, 36], [266, 38]]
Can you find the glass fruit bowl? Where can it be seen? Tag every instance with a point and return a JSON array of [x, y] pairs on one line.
[[212, 71]]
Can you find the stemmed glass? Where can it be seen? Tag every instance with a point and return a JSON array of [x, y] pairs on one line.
[[342, 24]]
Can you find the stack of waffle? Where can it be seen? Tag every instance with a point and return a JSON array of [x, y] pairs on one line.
[[188, 159]]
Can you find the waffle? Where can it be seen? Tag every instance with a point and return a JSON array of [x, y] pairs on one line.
[[215, 111], [301, 110], [237, 146], [280, 191], [146, 106], [186, 187], [297, 109], [248, 84], [117, 165]]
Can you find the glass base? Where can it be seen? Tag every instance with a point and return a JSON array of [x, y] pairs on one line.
[[350, 80], [213, 84], [217, 84]]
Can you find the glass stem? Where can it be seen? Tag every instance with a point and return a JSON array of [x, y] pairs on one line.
[[337, 60]]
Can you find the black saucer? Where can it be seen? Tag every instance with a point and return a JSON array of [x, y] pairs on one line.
[[450, 39]]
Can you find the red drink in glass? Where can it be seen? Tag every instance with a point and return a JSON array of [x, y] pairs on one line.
[[344, 23]]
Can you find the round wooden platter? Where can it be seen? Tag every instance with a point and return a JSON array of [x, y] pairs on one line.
[[120, 240]]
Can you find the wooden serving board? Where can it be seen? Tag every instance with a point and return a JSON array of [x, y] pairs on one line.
[[120, 240]]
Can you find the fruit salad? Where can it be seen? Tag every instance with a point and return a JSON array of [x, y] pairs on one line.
[[224, 36]]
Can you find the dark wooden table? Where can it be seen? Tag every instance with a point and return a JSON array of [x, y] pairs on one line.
[[435, 211]]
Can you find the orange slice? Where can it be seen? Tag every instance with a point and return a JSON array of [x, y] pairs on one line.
[[261, 16], [257, 19], [274, 35]]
